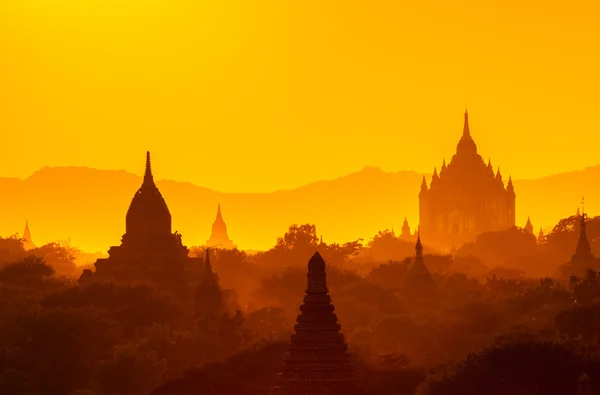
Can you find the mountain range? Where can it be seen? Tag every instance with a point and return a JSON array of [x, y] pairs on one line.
[[88, 206]]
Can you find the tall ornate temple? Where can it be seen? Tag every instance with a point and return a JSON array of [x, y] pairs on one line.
[[466, 198], [317, 362], [219, 237], [27, 241], [148, 250]]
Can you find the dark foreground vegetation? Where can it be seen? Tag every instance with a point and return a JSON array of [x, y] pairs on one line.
[[511, 317]]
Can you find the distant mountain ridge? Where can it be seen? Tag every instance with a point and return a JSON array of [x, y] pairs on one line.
[[89, 205]]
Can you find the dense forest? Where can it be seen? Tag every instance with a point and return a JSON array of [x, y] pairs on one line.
[[511, 316]]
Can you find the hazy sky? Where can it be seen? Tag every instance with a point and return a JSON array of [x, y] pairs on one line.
[[261, 95]]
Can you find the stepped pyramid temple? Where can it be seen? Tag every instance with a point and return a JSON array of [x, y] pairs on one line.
[[209, 298], [419, 282], [466, 198], [317, 362], [149, 251], [218, 237], [27, 241]]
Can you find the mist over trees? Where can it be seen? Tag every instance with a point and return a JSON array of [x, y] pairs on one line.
[[507, 318]]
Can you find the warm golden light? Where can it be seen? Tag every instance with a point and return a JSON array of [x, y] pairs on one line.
[[255, 96]]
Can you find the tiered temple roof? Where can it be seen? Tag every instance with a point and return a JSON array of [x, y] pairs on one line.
[[317, 362]]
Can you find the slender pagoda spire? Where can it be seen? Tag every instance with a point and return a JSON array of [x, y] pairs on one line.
[[27, 241], [529, 226], [317, 362], [419, 281], [209, 299], [541, 237], [466, 146], [466, 130], [423, 186], [148, 178], [583, 251], [510, 188], [405, 230], [435, 176]]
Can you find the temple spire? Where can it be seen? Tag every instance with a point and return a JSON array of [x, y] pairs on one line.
[[583, 251], [466, 131], [419, 248], [529, 226], [219, 215], [510, 187], [148, 178], [27, 242], [208, 271]]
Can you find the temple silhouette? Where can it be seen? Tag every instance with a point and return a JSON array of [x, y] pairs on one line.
[[27, 241], [149, 251], [405, 232], [466, 198], [209, 297], [317, 361], [219, 237], [419, 283], [529, 226], [583, 252]]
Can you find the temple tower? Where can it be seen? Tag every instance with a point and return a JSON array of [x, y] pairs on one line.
[[219, 237], [528, 226], [541, 237], [209, 299], [419, 281], [317, 362], [466, 198], [148, 250], [27, 241], [583, 251], [405, 235]]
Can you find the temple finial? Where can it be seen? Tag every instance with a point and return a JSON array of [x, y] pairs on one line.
[[148, 178], [419, 246], [207, 266], [466, 131]]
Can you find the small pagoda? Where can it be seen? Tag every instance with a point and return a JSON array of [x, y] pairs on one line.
[[209, 298], [218, 236], [317, 362], [419, 282]]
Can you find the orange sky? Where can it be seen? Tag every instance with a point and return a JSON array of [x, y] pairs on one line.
[[267, 94]]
